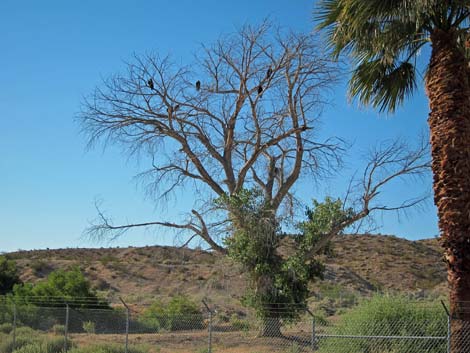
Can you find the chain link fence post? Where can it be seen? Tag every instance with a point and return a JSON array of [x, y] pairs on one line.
[[313, 335], [313, 343], [66, 327], [14, 324], [448, 325], [448, 333], [127, 324], [209, 349]]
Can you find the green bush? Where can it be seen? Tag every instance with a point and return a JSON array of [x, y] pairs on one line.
[[55, 344], [39, 266], [179, 314], [7, 346], [30, 341], [389, 316], [48, 345], [89, 327], [69, 283], [24, 337], [58, 329], [239, 324], [26, 332], [6, 328]]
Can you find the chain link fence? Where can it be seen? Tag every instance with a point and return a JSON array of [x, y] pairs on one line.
[[210, 331]]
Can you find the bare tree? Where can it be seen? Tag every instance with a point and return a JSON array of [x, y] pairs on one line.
[[242, 115]]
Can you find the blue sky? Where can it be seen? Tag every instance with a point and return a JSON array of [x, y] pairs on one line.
[[55, 52]]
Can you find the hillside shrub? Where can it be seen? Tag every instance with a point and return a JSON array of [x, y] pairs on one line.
[[68, 284], [60, 286], [389, 316], [39, 267], [6, 327], [179, 314]]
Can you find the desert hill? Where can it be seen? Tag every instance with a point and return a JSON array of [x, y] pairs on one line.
[[361, 264]]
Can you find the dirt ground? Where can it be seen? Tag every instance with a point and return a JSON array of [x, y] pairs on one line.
[[197, 342]]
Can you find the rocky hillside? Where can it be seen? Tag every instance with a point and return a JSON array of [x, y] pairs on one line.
[[361, 264]]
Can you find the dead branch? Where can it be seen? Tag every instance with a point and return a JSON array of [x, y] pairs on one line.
[[242, 115], [390, 161]]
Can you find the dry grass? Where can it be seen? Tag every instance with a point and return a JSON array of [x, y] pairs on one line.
[[197, 342]]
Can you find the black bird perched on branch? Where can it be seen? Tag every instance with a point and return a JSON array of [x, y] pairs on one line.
[[269, 73], [170, 114], [260, 89], [150, 84], [198, 85]]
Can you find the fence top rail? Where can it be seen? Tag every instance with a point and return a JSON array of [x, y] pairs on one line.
[[384, 337]]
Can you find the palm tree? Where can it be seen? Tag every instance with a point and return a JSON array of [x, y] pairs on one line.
[[384, 39]]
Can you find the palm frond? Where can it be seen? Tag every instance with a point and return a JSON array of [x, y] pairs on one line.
[[383, 85], [382, 37]]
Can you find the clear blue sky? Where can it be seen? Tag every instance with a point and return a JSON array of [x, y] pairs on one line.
[[54, 52]]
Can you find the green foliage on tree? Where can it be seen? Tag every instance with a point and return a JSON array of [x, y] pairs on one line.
[[279, 283], [8, 275], [180, 313], [320, 221]]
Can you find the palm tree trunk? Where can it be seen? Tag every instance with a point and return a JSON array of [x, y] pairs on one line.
[[448, 89]]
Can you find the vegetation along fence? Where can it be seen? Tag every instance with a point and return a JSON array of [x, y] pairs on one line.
[[72, 327]]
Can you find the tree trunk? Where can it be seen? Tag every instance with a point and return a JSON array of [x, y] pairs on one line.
[[271, 321], [448, 89]]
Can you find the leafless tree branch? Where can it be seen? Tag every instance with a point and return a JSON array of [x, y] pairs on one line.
[[388, 162], [242, 115]]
